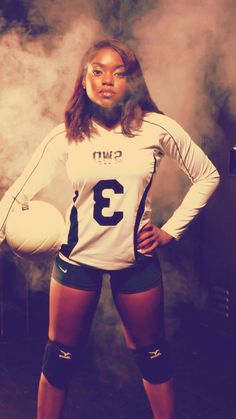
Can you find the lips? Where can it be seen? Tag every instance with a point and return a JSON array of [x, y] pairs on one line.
[[106, 92]]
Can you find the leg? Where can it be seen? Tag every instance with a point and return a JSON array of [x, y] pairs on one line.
[[70, 316], [142, 320]]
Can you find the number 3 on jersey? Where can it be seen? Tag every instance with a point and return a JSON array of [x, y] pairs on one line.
[[100, 202]]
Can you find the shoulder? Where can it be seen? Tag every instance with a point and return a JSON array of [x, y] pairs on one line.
[[59, 131], [54, 145], [56, 138], [165, 124]]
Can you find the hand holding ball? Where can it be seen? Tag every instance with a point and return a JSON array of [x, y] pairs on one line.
[[34, 230]]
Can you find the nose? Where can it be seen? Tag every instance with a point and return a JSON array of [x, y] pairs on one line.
[[108, 79]]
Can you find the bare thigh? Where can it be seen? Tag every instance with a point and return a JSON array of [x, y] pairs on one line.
[[70, 313], [141, 316]]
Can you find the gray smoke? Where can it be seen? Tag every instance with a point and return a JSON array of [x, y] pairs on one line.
[[58, 16], [35, 83], [189, 59]]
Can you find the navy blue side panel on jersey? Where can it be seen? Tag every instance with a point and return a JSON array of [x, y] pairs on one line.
[[140, 214], [73, 236], [176, 145]]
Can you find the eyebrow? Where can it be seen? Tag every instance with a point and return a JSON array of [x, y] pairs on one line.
[[103, 65]]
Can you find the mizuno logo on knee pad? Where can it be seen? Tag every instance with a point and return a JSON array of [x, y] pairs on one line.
[[155, 354], [154, 362], [59, 362], [64, 355]]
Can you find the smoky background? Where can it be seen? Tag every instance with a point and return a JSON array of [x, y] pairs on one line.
[[187, 52]]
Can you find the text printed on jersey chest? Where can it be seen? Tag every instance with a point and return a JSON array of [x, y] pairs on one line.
[[107, 156]]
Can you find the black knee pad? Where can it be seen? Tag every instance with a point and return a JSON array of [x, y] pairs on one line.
[[58, 364], [155, 362]]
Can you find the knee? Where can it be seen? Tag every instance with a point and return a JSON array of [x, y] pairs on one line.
[[59, 362], [154, 361], [134, 341]]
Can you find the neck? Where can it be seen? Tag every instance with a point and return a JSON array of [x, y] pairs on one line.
[[109, 117]]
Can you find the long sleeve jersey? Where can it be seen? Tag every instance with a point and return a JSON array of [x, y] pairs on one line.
[[111, 175]]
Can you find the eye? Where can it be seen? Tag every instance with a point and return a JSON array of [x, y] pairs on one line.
[[97, 72], [120, 74]]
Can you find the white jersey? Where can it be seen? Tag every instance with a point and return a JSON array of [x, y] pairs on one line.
[[111, 176]]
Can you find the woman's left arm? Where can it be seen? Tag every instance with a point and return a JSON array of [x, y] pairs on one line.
[[177, 144]]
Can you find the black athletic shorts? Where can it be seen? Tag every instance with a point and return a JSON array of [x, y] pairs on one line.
[[142, 276]]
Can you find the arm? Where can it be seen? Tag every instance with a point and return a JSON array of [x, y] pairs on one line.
[[177, 144], [37, 174], [201, 172]]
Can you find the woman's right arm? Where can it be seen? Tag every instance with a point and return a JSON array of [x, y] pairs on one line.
[[37, 174]]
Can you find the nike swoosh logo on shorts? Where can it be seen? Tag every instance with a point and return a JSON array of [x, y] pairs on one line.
[[63, 270]]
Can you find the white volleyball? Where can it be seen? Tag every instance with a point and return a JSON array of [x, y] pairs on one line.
[[34, 230]]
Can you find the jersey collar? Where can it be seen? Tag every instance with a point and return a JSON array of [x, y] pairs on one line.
[[101, 130]]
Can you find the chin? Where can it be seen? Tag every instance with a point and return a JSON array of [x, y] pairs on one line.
[[108, 106]]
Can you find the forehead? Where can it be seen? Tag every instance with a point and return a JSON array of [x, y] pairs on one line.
[[107, 57]]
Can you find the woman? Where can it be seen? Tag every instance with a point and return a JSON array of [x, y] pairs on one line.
[[112, 142]]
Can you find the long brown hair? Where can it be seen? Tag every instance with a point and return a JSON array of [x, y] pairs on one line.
[[138, 100]]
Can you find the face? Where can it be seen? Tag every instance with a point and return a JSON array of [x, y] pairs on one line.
[[105, 80]]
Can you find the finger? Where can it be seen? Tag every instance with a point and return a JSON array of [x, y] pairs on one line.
[[144, 236], [150, 248], [144, 244], [147, 243], [150, 237], [146, 227]]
